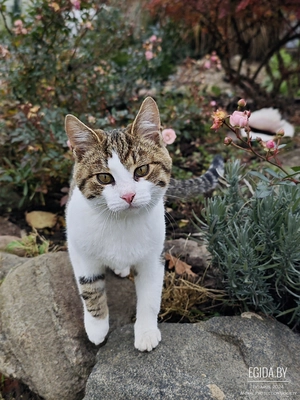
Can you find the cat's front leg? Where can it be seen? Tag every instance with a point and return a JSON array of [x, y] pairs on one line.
[[90, 277], [96, 320], [148, 282]]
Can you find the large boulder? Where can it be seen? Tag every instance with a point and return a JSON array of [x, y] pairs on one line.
[[42, 337], [218, 359], [8, 262]]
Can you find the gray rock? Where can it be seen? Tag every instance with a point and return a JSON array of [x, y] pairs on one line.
[[188, 251], [5, 240], [121, 299], [42, 337], [8, 262], [208, 360], [8, 228]]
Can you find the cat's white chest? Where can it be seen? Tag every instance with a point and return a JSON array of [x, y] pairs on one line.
[[114, 241]]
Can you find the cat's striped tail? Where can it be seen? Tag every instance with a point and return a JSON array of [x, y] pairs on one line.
[[203, 184]]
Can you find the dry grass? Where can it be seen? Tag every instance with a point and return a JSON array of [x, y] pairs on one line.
[[31, 245], [188, 299]]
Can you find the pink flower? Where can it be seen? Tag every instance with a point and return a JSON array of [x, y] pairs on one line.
[[213, 103], [18, 23], [168, 135], [18, 28], [239, 118], [76, 4], [218, 119], [207, 64], [153, 38], [149, 55], [270, 144]]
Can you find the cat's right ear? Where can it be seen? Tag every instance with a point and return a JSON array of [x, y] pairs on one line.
[[81, 137], [147, 122]]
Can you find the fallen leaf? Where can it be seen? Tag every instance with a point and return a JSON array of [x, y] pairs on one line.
[[249, 315], [216, 392], [183, 222], [41, 219], [180, 266], [34, 109]]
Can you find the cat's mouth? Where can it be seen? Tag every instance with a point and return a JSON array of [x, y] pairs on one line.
[[127, 208], [132, 207]]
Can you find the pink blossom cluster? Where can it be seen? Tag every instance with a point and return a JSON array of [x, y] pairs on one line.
[[19, 28], [240, 120], [76, 4], [212, 60], [152, 47]]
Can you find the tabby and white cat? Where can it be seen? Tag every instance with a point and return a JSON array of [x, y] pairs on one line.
[[115, 216]]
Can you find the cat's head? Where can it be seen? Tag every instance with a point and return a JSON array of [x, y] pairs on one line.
[[122, 168]]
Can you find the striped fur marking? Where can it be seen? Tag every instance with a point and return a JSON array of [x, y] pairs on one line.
[[83, 280], [94, 295]]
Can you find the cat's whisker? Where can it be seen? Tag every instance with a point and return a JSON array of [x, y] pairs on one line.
[[176, 197]]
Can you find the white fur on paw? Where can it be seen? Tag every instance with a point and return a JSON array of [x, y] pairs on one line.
[[148, 340], [96, 329], [122, 272]]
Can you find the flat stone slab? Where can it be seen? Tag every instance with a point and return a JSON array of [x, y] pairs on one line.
[[218, 359]]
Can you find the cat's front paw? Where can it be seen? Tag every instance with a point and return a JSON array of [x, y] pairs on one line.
[[122, 272], [96, 329], [146, 340]]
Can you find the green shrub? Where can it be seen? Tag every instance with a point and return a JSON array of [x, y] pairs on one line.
[[54, 63], [254, 241]]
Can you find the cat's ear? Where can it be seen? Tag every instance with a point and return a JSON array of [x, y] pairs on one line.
[[147, 122], [81, 137]]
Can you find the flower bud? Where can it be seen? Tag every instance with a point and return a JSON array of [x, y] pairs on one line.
[[227, 141], [270, 144], [280, 132], [242, 103]]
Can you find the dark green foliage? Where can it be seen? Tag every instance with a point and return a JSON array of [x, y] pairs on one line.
[[54, 63], [255, 242]]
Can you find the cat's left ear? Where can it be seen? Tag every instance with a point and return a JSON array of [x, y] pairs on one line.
[[147, 122], [81, 137]]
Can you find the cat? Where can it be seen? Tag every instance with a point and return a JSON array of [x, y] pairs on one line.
[[115, 216]]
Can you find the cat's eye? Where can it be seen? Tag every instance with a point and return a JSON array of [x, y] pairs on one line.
[[141, 171], [105, 179]]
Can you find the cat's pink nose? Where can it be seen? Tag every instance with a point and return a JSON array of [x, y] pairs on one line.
[[128, 197]]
